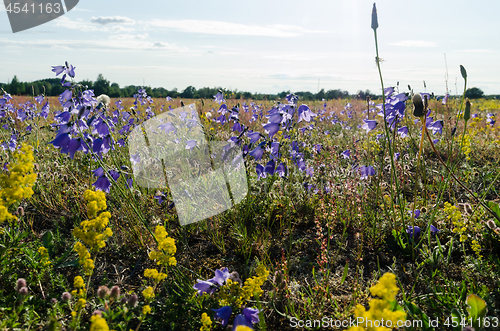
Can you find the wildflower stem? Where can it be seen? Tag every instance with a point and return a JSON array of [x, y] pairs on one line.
[[459, 182], [391, 154]]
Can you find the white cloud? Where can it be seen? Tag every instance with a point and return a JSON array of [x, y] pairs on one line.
[[414, 43], [82, 25], [227, 28], [103, 20], [114, 43]]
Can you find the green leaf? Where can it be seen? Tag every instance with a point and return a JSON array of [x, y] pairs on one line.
[[346, 269], [495, 207], [48, 240], [477, 309], [418, 314], [456, 316]]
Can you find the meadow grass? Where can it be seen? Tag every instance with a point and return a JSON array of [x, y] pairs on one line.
[[325, 235]]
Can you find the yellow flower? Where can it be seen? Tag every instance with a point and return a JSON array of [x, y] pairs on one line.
[[80, 304], [148, 293], [153, 273], [17, 182], [44, 261], [386, 287], [242, 328], [78, 282], [146, 310], [166, 248], [206, 321], [97, 323]]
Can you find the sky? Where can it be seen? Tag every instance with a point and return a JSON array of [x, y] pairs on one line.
[[264, 46]]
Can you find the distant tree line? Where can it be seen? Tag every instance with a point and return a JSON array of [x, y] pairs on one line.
[[53, 87]]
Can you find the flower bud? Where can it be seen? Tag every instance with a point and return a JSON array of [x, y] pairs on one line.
[[418, 106], [467, 110], [491, 224], [23, 291], [374, 18], [123, 300], [21, 282], [66, 296], [463, 72], [132, 301], [115, 292], [102, 292], [53, 301]]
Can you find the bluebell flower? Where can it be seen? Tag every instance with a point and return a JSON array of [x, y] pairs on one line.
[[135, 158], [434, 230], [270, 167], [281, 170], [369, 125], [346, 154], [240, 319], [403, 131], [258, 152], [417, 213], [219, 98], [190, 144], [366, 171], [260, 172], [251, 314], [102, 183], [413, 232], [223, 313], [271, 129]]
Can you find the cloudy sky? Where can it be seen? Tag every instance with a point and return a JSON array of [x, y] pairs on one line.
[[264, 46]]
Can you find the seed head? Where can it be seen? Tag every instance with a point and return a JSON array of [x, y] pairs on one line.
[[418, 105], [467, 110]]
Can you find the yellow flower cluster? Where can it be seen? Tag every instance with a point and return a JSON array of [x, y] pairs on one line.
[[166, 248], [231, 294], [96, 201], [79, 284], [44, 261], [146, 309], [17, 182], [148, 293], [153, 273], [455, 216], [380, 316], [97, 323], [84, 258], [252, 285], [206, 322], [465, 145], [80, 304], [94, 232]]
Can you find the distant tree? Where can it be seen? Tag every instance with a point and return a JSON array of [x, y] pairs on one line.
[[88, 83], [188, 93], [320, 95], [16, 87], [114, 90], [474, 93], [101, 85]]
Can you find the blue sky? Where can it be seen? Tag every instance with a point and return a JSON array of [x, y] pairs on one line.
[[264, 46]]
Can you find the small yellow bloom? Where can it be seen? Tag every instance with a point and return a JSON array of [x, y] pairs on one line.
[[146, 310], [148, 293], [97, 323]]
